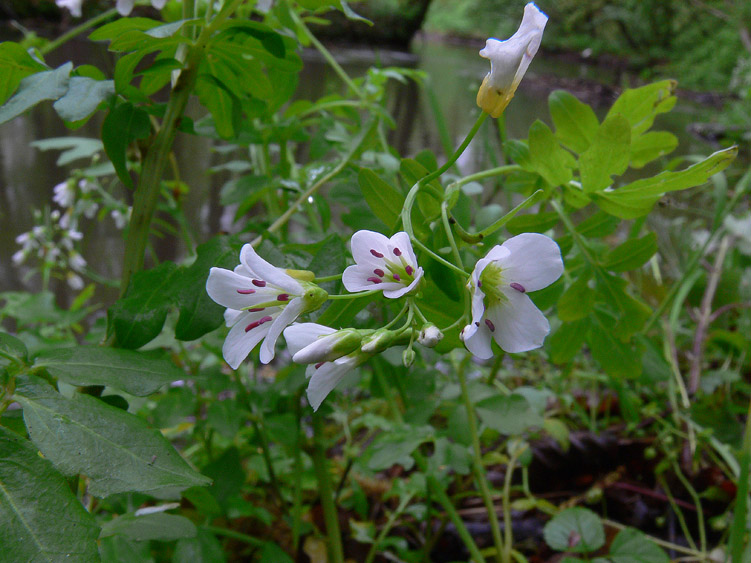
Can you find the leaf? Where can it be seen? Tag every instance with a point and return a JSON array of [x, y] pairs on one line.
[[132, 372], [575, 122], [566, 342], [220, 102], [341, 312], [632, 254], [352, 15], [15, 65], [47, 85], [396, 447], [636, 199], [116, 28], [508, 414], [204, 548], [83, 97], [533, 223], [575, 529], [122, 125], [651, 145], [640, 105], [157, 526], [40, 519], [577, 301], [385, 201], [73, 148], [546, 156], [118, 451], [633, 546], [608, 155], [10, 346], [616, 357]]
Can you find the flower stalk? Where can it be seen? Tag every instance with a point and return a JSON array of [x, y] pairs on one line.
[[330, 513]]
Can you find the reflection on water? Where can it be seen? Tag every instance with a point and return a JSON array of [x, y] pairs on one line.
[[27, 176]]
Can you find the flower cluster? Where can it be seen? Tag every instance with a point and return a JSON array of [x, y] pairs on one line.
[[124, 7], [264, 301]]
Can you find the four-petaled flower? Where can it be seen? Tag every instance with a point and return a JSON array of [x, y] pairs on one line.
[[261, 300], [382, 263], [500, 307], [509, 61]]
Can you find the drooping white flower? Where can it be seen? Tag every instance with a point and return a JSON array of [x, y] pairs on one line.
[[501, 310], [73, 6], [382, 263], [125, 7], [509, 61], [261, 301]]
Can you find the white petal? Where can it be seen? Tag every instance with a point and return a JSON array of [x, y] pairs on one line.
[[496, 253], [267, 272], [534, 261], [301, 335], [231, 316], [223, 285], [394, 293], [124, 7], [158, 4], [355, 278], [401, 241], [326, 377], [477, 340], [239, 343], [519, 324], [286, 317], [365, 241]]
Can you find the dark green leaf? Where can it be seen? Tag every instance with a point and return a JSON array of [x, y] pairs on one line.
[[632, 546], [122, 125], [40, 518], [385, 201], [115, 449], [220, 101], [575, 122], [133, 372], [46, 85], [575, 529], [83, 98], [508, 414], [617, 358], [566, 342], [123, 25], [204, 548], [396, 447], [632, 254], [12, 346], [532, 223], [608, 155], [158, 526], [577, 301]]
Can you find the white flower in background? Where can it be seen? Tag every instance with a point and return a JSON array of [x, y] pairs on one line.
[[87, 208], [261, 301], [74, 281], [501, 310], [18, 257], [125, 7], [382, 263], [509, 61], [331, 354], [121, 218], [741, 229], [73, 6], [76, 261]]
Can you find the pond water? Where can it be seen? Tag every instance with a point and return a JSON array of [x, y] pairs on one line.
[[27, 175]]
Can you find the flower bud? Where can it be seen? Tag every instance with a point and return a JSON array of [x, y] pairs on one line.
[[330, 347], [379, 341], [408, 357], [429, 335]]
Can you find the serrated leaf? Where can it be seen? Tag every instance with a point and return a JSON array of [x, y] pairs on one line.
[[158, 526], [118, 451], [132, 372], [40, 519], [123, 125], [607, 156], [73, 148], [632, 254], [15, 65], [577, 530], [651, 145], [546, 156], [46, 85], [633, 546], [575, 122], [640, 105], [508, 414], [83, 97], [384, 200]]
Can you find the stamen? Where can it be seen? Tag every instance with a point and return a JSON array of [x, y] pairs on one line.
[[255, 309], [378, 272], [319, 364], [490, 324], [479, 283], [259, 283], [374, 279], [376, 253], [518, 287], [397, 278], [282, 297], [258, 323], [397, 252], [477, 323], [409, 269], [246, 291]]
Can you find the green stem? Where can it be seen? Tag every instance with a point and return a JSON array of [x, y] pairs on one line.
[[697, 502], [324, 279], [235, 535], [450, 234], [508, 531], [479, 471], [76, 31], [354, 295], [330, 513], [476, 177], [740, 510], [297, 492], [387, 527]]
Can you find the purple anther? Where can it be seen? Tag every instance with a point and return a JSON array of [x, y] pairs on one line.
[[259, 283], [397, 278], [376, 253], [374, 279], [246, 291], [397, 252], [490, 324], [479, 283], [255, 309], [257, 323], [409, 269], [378, 272], [518, 287], [477, 323], [319, 364], [282, 297]]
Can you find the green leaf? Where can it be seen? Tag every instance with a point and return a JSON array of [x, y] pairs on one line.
[[608, 154], [632, 546], [566, 342], [40, 518], [158, 526], [116, 28], [632, 254], [636, 199], [577, 301], [342, 311], [651, 145], [546, 156], [633, 312], [122, 125], [118, 451], [15, 65], [428, 206], [508, 414], [617, 358], [640, 105], [83, 98], [221, 103], [47, 85], [73, 148], [204, 548], [577, 530], [396, 447], [352, 15], [385, 201], [12, 346], [132, 372], [575, 122], [533, 223], [118, 549]]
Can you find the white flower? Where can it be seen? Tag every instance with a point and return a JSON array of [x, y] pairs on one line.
[[500, 307], [311, 341], [382, 263], [75, 282], [124, 7], [509, 61], [261, 300], [18, 257], [429, 336], [121, 218], [73, 6], [76, 261]]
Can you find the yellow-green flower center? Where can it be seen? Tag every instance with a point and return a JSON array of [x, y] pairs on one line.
[[491, 280]]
